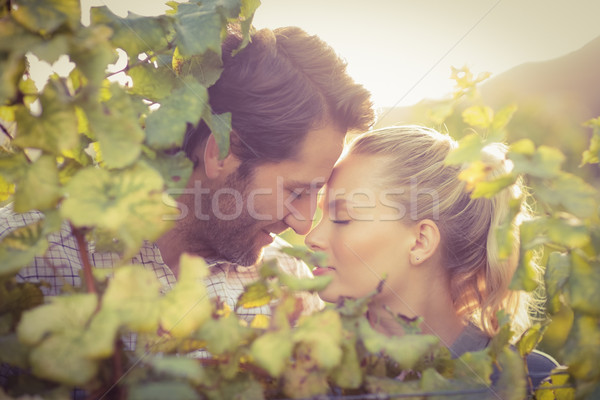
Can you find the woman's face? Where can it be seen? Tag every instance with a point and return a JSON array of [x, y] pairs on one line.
[[364, 233]]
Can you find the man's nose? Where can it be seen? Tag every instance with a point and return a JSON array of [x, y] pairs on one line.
[[300, 215]]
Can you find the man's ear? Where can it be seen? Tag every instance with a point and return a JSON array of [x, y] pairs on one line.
[[427, 240], [213, 167]]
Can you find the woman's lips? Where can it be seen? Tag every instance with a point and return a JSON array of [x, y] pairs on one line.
[[322, 270]]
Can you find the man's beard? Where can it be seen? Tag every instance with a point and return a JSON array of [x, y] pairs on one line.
[[233, 240]]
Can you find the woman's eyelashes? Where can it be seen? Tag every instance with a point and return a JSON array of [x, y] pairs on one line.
[[340, 221]]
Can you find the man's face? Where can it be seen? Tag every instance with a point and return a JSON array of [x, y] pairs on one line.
[[245, 212]]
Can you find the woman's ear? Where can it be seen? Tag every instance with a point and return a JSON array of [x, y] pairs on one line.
[[427, 240], [213, 166]]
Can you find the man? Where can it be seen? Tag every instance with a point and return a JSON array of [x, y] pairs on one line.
[[292, 103]]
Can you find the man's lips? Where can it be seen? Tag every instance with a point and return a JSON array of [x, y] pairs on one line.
[[322, 270]]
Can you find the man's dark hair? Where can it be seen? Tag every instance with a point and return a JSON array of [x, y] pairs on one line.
[[283, 84]]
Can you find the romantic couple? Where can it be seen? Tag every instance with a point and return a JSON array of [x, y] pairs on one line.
[[391, 209]]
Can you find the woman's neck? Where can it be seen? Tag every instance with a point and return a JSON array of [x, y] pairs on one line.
[[430, 300]]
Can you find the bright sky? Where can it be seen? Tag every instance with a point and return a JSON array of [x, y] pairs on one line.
[[402, 50]]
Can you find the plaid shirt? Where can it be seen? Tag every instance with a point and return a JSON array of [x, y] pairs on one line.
[[61, 264]]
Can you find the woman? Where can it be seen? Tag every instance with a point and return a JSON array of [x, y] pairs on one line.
[[393, 209]]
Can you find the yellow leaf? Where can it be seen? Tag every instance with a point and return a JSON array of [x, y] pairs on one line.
[[260, 321], [475, 173], [478, 116]]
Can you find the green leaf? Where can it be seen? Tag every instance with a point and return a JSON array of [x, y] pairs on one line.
[[311, 258], [63, 313], [15, 39], [128, 203], [556, 275], [91, 51], [530, 339], [19, 247], [581, 352], [469, 149], [592, 154], [135, 34], [16, 298], [503, 117], [52, 49], [504, 233], [7, 189], [255, 294], [511, 384], [58, 359], [571, 192], [406, 350], [523, 147], [205, 68], [197, 30], [584, 285], [220, 127], [504, 335], [163, 390], [115, 125], [478, 116], [473, 368], [133, 294], [323, 333], [223, 335], [152, 83], [185, 308], [488, 189], [525, 275], [39, 188], [348, 374], [13, 165], [55, 130], [568, 231], [46, 16], [14, 352], [315, 284], [98, 340], [180, 367], [272, 351], [544, 163], [303, 378], [175, 170], [166, 127]]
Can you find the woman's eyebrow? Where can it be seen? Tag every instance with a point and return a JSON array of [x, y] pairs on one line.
[[336, 204]]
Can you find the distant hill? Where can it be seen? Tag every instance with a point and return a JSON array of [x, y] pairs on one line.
[[554, 98], [570, 83]]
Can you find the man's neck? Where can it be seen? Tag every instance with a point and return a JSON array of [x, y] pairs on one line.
[[172, 246]]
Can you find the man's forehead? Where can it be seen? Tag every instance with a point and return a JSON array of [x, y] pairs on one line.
[[317, 182]]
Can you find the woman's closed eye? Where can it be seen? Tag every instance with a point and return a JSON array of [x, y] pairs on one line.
[[341, 221]]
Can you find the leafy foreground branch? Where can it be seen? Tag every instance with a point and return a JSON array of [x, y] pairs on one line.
[[92, 155]]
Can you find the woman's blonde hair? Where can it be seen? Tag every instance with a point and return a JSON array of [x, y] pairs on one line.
[[479, 278]]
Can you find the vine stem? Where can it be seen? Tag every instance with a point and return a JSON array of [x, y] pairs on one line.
[[85, 259]]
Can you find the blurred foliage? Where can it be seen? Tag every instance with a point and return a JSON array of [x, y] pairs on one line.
[[105, 154]]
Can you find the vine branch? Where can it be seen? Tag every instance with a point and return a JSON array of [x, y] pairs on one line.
[[6, 132], [85, 259]]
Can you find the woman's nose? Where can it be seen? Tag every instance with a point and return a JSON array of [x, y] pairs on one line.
[[315, 240]]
